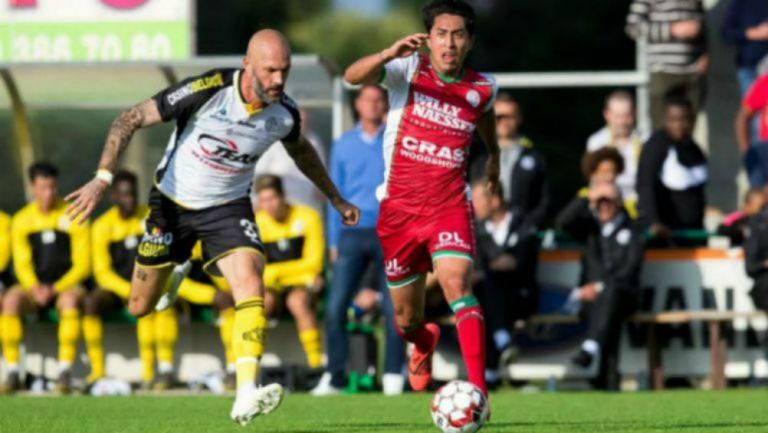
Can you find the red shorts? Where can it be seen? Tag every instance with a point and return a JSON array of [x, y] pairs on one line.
[[412, 242]]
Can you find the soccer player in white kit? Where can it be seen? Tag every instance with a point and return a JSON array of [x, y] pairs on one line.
[[225, 120]]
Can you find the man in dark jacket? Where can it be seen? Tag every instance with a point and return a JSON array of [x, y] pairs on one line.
[[611, 263], [672, 177], [756, 258], [507, 253], [523, 169]]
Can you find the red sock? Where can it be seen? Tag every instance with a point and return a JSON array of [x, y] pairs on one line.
[[419, 336], [470, 325]]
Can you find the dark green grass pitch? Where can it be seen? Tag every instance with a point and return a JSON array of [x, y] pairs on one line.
[[728, 411]]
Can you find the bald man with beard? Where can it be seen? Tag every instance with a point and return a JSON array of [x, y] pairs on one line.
[[225, 120]]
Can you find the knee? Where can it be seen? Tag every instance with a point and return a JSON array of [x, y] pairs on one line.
[[298, 302], [454, 286], [139, 306], [91, 304], [69, 300], [223, 300], [12, 302], [406, 316]]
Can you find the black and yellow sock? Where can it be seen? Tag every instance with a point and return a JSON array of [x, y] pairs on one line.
[[310, 340], [12, 333], [166, 335], [226, 328], [248, 339], [93, 334], [145, 333], [69, 333]]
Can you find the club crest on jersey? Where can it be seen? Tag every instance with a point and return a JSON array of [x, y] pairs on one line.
[[473, 97]]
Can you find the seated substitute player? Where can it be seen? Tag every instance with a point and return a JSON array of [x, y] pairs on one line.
[[115, 237], [225, 120], [5, 254], [425, 220], [51, 259], [293, 237]]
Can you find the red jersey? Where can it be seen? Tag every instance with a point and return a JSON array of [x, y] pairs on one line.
[[429, 131], [756, 100]]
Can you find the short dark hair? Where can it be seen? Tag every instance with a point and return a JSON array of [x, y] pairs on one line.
[[453, 7], [591, 160], [125, 176], [506, 97], [678, 101], [269, 181], [381, 90], [42, 169]]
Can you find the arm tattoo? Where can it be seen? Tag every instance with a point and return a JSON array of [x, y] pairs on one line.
[[120, 134], [309, 163]]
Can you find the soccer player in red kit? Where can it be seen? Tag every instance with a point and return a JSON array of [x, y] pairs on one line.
[[425, 220]]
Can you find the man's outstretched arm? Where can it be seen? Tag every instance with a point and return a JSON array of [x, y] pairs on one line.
[[368, 69], [84, 200], [309, 163]]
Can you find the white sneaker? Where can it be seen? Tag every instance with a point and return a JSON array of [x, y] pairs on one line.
[[172, 286], [324, 387], [392, 384], [258, 401]]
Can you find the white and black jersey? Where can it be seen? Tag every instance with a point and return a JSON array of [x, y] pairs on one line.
[[671, 182], [217, 141], [652, 20]]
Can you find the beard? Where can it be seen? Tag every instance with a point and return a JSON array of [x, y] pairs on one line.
[[260, 93]]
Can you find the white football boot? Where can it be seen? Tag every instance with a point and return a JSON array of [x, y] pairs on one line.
[[324, 387], [256, 401], [172, 286]]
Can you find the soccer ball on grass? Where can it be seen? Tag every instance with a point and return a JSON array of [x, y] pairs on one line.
[[459, 407]]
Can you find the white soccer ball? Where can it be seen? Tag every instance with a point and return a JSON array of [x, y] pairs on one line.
[[459, 407]]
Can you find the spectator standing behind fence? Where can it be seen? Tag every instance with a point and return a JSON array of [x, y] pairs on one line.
[[672, 175], [755, 152], [610, 283], [507, 258], [523, 168], [677, 50], [746, 26], [619, 133], [357, 168], [735, 226], [756, 258], [51, 259]]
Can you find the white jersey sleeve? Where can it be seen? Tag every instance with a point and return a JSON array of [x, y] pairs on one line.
[[495, 87], [398, 72]]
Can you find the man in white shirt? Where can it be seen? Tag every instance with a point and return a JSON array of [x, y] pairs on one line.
[[621, 134]]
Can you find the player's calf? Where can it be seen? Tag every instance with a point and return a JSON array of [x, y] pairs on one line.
[[146, 288]]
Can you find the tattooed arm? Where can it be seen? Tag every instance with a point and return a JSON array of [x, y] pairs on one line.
[[84, 200], [309, 163]]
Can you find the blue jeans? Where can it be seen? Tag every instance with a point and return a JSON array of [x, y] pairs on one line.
[[756, 164], [357, 249]]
